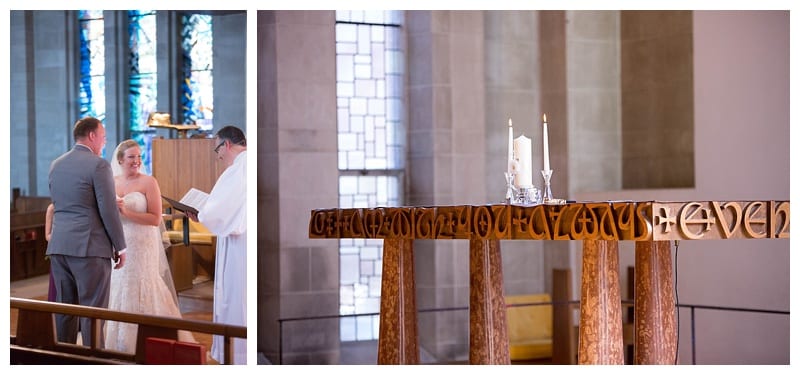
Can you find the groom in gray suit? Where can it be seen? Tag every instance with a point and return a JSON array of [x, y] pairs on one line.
[[87, 231]]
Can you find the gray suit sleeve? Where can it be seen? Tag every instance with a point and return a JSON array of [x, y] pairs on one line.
[[107, 205]]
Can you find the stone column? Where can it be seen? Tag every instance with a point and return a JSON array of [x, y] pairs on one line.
[[297, 276]]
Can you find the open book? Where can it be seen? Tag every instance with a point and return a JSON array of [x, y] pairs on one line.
[[193, 201]]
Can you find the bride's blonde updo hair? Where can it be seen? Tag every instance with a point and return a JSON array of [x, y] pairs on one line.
[[124, 146]]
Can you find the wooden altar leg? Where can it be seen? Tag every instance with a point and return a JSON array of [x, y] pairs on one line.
[[654, 305], [397, 339], [488, 334], [600, 333]]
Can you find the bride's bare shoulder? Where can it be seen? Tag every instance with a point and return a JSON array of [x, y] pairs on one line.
[[152, 180]]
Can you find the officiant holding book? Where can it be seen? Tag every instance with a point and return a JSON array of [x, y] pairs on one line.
[[225, 214]]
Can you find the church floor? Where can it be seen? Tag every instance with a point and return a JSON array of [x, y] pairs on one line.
[[195, 303]]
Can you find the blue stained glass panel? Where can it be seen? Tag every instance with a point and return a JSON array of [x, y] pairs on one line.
[[197, 86], [143, 88], [91, 96], [89, 14]]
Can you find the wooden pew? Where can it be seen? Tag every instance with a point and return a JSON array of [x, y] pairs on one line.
[[565, 333], [36, 330], [28, 244], [552, 324], [23, 355], [530, 327]]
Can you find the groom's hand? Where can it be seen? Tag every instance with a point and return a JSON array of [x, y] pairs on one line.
[[120, 261]]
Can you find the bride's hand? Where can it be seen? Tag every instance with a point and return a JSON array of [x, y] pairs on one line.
[[121, 206]]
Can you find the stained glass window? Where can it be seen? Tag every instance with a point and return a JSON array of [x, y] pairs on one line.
[[92, 95], [371, 147], [197, 89], [142, 81], [197, 86]]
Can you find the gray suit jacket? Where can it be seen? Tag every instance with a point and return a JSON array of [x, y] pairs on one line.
[[86, 221]]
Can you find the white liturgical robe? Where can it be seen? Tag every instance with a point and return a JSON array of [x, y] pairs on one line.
[[225, 215]]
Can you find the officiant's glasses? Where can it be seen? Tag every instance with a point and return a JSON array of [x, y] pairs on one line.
[[216, 149]]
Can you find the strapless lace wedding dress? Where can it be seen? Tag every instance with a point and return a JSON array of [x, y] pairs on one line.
[[139, 286]]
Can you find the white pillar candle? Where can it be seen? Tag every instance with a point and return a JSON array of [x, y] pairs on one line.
[[545, 144], [522, 152], [510, 147]]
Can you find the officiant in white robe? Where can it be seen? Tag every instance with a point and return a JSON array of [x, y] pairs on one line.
[[225, 215]]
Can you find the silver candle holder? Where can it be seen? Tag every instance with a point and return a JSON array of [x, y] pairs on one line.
[[522, 196], [548, 193], [529, 196], [510, 191]]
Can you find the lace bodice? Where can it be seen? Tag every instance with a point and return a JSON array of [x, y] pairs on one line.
[[135, 201], [139, 285]]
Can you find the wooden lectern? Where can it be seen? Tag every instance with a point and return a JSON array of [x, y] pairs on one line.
[[179, 165]]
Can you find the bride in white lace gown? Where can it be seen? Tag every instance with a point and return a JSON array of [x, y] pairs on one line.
[[144, 285]]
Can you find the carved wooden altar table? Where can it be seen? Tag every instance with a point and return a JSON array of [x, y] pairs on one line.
[[600, 225]]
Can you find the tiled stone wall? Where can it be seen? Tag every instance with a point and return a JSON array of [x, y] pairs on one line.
[[593, 100], [230, 70], [21, 113], [42, 110], [657, 99]]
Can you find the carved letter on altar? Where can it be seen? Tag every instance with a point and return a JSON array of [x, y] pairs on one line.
[[753, 215], [719, 211]]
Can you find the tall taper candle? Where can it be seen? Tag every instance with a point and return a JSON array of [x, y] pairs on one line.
[[510, 147], [546, 144], [522, 151]]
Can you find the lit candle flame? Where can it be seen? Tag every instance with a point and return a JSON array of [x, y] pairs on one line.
[[544, 117], [509, 123]]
